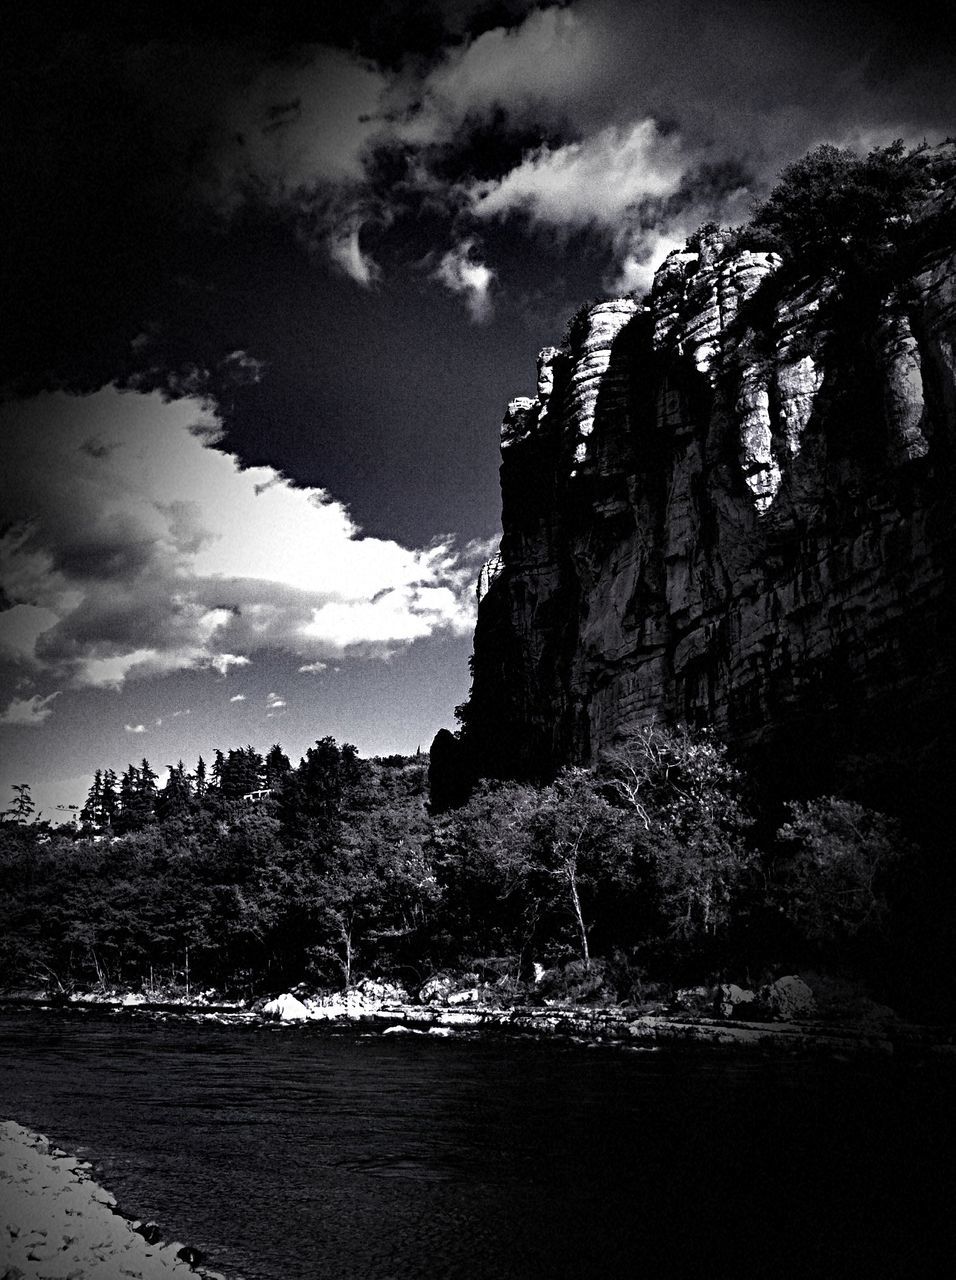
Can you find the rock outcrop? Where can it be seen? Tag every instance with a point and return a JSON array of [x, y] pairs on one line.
[[730, 504]]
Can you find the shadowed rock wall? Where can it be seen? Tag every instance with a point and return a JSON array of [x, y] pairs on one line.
[[732, 506]]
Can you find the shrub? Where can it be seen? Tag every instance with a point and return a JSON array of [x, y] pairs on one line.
[[835, 874]]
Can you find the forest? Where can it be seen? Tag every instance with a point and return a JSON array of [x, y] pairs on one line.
[[655, 867]]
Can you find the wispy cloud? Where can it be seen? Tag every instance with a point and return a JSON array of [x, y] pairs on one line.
[[274, 702], [313, 668], [638, 100], [597, 180], [238, 697], [461, 271], [29, 711], [135, 728]]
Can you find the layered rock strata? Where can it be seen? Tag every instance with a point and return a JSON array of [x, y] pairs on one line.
[[731, 504]]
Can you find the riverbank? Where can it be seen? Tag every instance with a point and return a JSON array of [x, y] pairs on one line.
[[56, 1223], [785, 1019]]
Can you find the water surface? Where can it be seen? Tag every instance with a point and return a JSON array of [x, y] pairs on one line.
[[285, 1153]]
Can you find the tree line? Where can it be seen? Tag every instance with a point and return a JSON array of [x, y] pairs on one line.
[[655, 865]]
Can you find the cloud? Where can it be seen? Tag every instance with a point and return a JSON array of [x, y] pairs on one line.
[[160, 554], [460, 271], [345, 250], [532, 69], [304, 124], [135, 728], [598, 180], [313, 668], [29, 711], [274, 702], [238, 697], [646, 106], [221, 662]]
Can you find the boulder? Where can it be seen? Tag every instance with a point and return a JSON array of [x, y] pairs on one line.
[[694, 999], [440, 987], [471, 996], [285, 1008], [730, 998], [378, 991], [790, 998]]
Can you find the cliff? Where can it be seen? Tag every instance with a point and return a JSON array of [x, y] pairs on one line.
[[732, 503]]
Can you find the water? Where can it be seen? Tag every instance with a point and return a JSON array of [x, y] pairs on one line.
[[286, 1153]]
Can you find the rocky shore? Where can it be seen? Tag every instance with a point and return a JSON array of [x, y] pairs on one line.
[[56, 1223], [785, 1016]]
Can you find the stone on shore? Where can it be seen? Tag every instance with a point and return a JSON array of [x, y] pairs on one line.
[[285, 1008], [789, 998], [732, 997]]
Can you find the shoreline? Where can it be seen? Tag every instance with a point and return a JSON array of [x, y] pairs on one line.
[[57, 1223], [624, 1027]]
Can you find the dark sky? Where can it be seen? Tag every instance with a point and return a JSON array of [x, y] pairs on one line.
[[335, 236]]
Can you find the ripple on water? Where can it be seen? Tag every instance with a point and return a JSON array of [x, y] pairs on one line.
[[304, 1157]]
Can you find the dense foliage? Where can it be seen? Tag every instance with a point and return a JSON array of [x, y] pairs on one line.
[[861, 224], [253, 874]]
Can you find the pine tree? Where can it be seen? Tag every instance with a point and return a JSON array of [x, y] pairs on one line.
[[218, 769], [92, 811], [200, 782], [277, 767], [109, 803], [176, 796]]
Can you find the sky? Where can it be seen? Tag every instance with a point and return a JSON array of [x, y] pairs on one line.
[[269, 283]]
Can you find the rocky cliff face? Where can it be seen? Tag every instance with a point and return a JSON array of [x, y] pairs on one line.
[[730, 505]]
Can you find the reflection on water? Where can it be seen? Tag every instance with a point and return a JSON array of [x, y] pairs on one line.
[[285, 1153]]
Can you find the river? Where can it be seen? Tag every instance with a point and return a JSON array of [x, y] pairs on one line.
[[285, 1152]]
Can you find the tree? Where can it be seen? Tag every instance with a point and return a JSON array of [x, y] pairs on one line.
[[92, 811], [836, 868], [836, 211], [276, 767], [110, 799], [176, 796], [578, 841], [147, 781], [22, 808], [687, 796], [200, 781], [240, 772], [313, 794]]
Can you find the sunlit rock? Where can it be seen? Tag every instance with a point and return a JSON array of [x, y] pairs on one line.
[[285, 1008]]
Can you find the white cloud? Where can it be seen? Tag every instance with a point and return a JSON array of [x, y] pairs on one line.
[[345, 250], [460, 271], [644, 253], [313, 668], [238, 697], [274, 702], [597, 181], [299, 132], [149, 551], [29, 711], [221, 662], [536, 67], [135, 728]]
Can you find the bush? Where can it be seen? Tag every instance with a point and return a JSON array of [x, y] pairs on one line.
[[834, 877]]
